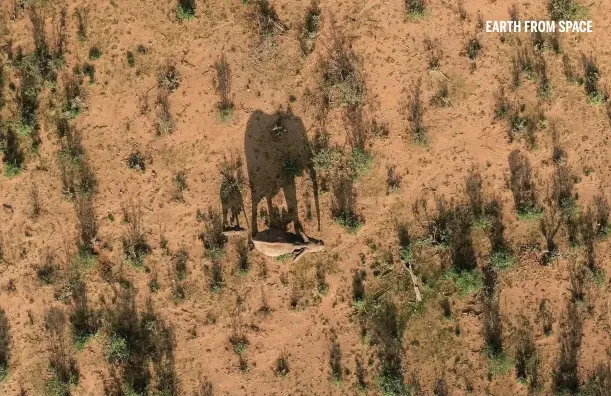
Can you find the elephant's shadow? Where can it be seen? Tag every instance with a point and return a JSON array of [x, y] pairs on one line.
[[277, 151]]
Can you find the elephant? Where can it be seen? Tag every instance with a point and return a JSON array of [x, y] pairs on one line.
[[277, 150]]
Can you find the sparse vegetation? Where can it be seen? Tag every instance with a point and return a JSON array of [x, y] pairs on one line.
[[136, 161], [335, 359], [602, 211], [95, 53], [566, 373], [222, 85], [521, 184], [62, 364], [415, 8], [442, 96], [414, 112], [310, 28], [135, 246], [282, 365], [141, 345], [591, 76], [472, 49], [393, 180], [212, 236], [13, 156], [84, 320], [527, 358], [342, 80], [185, 10], [165, 122], [5, 344], [267, 22], [81, 15], [433, 53], [564, 10]]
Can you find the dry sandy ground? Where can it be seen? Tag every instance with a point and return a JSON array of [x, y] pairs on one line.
[[393, 58]]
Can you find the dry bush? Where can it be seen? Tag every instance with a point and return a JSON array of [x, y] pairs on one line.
[[343, 204], [461, 244], [599, 382], [2, 85], [81, 14], [212, 236], [563, 10], [549, 226], [475, 192], [360, 373], [413, 110], [591, 78], [492, 327], [46, 272], [472, 49], [587, 227], [135, 246], [566, 377], [343, 82], [358, 287], [168, 77], [222, 85], [502, 106], [267, 22], [558, 152], [74, 96], [142, 345], [87, 224], [232, 184], [136, 160], [185, 9], [242, 250], [393, 179], [84, 320], [526, 356], [522, 184], [205, 389], [441, 387], [5, 344], [335, 358], [13, 156], [415, 8], [441, 98], [77, 175], [35, 201], [433, 53], [164, 123], [282, 365], [569, 71], [562, 187], [544, 86], [602, 214], [577, 276], [62, 364], [545, 317], [309, 31]]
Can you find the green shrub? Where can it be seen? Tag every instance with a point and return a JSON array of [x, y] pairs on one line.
[[95, 53], [185, 10]]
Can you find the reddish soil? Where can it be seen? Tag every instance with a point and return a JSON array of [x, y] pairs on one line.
[[393, 59]]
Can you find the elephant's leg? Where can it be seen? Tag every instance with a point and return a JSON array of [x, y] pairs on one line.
[[253, 219], [225, 215], [290, 196]]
